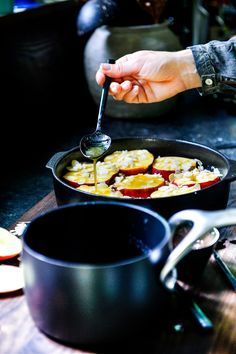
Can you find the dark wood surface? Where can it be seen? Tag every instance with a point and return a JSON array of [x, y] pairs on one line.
[[19, 335]]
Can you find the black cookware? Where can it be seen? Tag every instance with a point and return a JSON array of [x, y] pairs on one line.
[[97, 272], [211, 198]]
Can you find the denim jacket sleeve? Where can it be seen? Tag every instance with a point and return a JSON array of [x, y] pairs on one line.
[[216, 65]]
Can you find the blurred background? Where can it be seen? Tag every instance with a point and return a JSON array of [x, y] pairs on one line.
[[46, 94]]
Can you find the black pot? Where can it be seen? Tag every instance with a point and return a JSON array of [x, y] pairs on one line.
[[88, 283], [211, 198], [97, 272]]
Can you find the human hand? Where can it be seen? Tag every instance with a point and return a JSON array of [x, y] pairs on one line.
[[150, 76]]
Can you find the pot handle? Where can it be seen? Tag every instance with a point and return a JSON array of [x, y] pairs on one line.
[[203, 221], [54, 159]]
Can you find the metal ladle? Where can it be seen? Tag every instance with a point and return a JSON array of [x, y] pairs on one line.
[[94, 145]]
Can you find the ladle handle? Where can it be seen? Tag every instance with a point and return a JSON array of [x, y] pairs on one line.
[[203, 221], [104, 95]]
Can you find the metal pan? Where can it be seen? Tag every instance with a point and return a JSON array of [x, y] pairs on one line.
[[213, 197]]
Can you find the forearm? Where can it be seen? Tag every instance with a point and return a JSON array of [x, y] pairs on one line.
[[216, 61], [187, 70]]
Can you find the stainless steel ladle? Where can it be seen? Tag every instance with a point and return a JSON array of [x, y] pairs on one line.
[[94, 145]]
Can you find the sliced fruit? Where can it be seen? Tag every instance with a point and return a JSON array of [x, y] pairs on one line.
[[173, 190], [170, 164], [11, 278], [78, 166], [84, 173], [205, 178], [131, 162], [102, 189], [10, 245], [139, 186]]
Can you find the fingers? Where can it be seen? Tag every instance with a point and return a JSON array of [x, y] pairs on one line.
[[100, 77], [118, 91], [124, 67], [133, 95], [115, 89], [127, 92], [118, 70], [139, 91]]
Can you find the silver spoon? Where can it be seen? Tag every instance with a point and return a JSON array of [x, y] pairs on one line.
[[94, 145]]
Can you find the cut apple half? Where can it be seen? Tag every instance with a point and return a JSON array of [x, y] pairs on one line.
[[102, 189], [84, 174], [131, 162], [11, 278], [170, 164], [10, 245], [139, 186], [205, 178], [172, 190]]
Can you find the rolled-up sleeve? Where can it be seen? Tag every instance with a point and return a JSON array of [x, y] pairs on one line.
[[216, 65]]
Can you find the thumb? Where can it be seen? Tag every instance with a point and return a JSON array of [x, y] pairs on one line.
[[117, 70]]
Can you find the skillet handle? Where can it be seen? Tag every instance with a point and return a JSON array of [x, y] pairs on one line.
[[231, 175], [54, 159], [203, 221]]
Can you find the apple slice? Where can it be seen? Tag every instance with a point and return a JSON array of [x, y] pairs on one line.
[[205, 178], [11, 278], [131, 162], [102, 189], [139, 186], [173, 190], [170, 164], [10, 245], [84, 173]]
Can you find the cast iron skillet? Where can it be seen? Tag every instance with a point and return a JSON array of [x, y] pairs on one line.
[[211, 198]]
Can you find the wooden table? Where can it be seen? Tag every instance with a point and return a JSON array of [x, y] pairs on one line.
[[19, 335]]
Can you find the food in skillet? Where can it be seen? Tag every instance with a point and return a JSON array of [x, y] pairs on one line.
[[83, 173], [169, 164], [102, 189], [173, 190], [138, 174], [203, 177], [139, 186], [131, 162]]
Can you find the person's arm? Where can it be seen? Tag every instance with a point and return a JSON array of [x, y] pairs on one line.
[[152, 76], [216, 65]]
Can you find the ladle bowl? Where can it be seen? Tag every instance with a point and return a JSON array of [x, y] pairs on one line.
[[94, 145]]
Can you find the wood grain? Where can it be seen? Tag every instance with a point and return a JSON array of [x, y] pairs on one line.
[[47, 203], [19, 335]]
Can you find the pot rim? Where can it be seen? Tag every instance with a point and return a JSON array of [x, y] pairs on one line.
[[68, 264], [154, 139], [141, 28]]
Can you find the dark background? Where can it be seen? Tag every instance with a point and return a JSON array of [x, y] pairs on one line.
[[46, 106]]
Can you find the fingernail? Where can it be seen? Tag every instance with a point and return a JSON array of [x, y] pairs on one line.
[[126, 85], [106, 66], [114, 88]]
